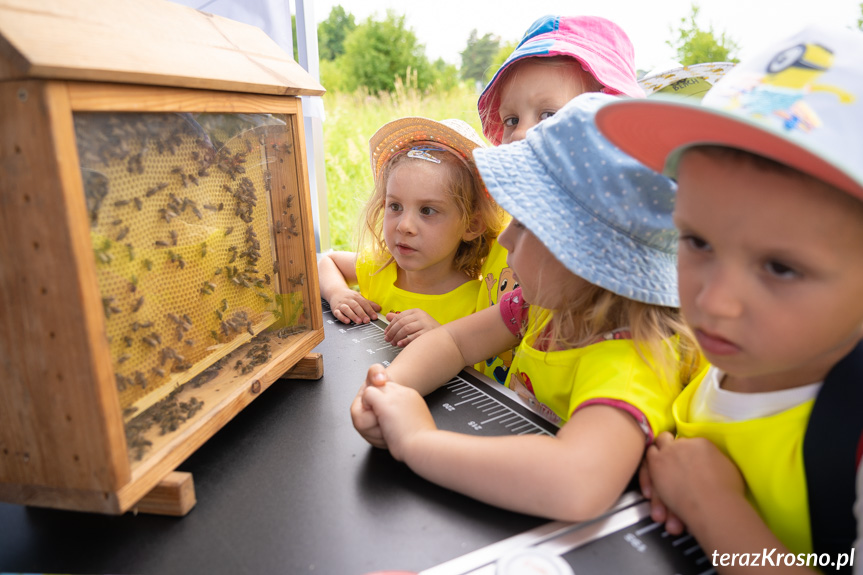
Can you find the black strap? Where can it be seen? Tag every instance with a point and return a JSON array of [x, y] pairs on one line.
[[830, 449]]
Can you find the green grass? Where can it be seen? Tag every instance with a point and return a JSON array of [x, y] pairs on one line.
[[351, 119]]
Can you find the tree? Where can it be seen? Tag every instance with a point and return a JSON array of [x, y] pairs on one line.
[[377, 52], [333, 31], [500, 57], [477, 57], [694, 45], [860, 19]]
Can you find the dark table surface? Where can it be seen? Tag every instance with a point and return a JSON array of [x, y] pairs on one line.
[[288, 486]]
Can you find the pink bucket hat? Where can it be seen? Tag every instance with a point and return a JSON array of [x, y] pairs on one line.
[[601, 47]]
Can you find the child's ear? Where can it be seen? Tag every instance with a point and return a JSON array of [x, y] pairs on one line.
[[474, 230]]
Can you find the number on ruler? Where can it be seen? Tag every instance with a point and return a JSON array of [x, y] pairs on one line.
[[448, 407], [474, 425]]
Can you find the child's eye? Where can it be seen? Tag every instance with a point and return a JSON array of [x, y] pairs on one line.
[[427, 211], [546, 115], [510, 122], [780, 270], [695, 243], [394, 206]]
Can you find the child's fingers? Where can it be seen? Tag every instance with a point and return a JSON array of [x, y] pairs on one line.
[[376, 376], [644, 480]]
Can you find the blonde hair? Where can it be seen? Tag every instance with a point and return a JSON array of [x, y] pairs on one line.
[[662, 338], [464, 186], [588, 82]]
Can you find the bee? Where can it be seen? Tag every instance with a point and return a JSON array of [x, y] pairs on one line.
[[211, 207], [225, 304], [121, 203], [161, 244], [150, 341], [138, 304], [197, 212], [275, 267], [264, 297], [123, 358], [228, 230], [148, 264], [190, 342], [159, 371], [290, 200], [129, 411], [128, 340], [156, 337], [141, 379], [138, 203], [194, 179], [298, 280], [174, 237], [204, 250], [187, 320], [279, 226], [105, 258], [219, 315], [180, 333], [267, 279], [116, 222], [184, 181], [131, 251], [214, 335]]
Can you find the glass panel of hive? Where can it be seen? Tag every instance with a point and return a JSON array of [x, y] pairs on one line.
[[181, 226]]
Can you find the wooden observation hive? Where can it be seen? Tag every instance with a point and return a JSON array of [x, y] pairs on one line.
[[157, 257]]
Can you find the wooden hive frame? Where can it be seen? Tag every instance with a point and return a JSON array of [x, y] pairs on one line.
[[62, 437]]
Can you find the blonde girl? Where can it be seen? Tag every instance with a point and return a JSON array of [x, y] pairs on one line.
[[559, 58], [426, 231], [600, 345]]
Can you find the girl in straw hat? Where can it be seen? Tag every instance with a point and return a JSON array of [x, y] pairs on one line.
[[601, 347], [426, 231]]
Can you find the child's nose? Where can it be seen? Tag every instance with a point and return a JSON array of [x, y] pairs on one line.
[[407, 225], [719, 294]]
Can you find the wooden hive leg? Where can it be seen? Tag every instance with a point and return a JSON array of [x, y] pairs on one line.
[[309, 367], [174, 495]]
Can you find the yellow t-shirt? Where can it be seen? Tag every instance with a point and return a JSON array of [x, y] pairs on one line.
[[381, 289], [769, 453], [610, 372], [497, 280]]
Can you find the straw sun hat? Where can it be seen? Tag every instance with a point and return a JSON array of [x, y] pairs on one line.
[[394, 137]]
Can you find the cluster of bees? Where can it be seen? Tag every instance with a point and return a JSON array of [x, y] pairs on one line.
[[176, 222]]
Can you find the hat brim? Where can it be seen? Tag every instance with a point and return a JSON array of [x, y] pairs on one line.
[[590, 249], [399, 134], [657, 131]]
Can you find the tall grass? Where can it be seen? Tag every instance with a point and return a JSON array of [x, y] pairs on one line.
[[351, 119]]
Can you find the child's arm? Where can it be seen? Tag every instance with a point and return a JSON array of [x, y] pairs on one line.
[[406, 326], [700, 485], [432, 360], [436, 356], [337, 271], [574, 476]]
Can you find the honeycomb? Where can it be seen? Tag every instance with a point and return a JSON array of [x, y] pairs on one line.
[[180, 222]]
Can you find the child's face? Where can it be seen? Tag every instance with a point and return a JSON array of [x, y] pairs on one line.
[[534, 92], [422, 224], [770, 270], [543, 279]]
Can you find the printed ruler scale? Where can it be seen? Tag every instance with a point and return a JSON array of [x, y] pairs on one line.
[[623, 541], [467, 403]]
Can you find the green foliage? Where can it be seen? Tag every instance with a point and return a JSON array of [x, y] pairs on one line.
[[351, 120], [499, 58], [333, 31], [377, 52], [860, 19], [694, 45], [476, 58]]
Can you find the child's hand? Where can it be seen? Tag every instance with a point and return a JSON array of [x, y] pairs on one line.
[[408, 325], [658, 511], [364, 419], [402, 414], [349, 306], [686, 475]]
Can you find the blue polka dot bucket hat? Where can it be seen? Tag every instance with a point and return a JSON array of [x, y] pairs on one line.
[[601, 213]]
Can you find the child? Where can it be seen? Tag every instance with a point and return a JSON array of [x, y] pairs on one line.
[[558, 58], [429, 224], [593, 251], [771, 274]]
